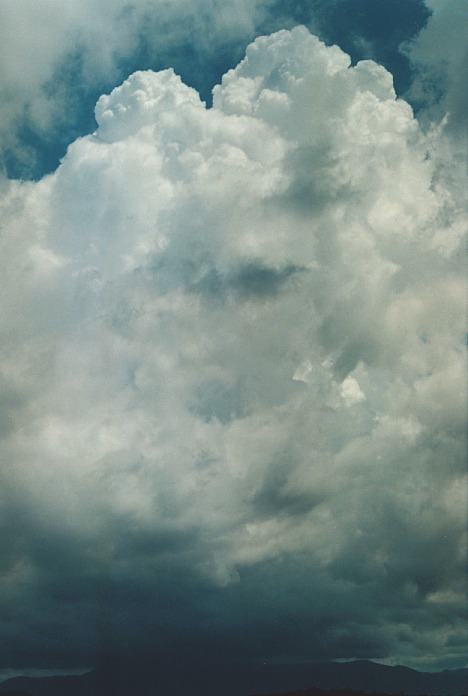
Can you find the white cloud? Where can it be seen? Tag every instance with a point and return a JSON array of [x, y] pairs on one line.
[[302, 372], [351, 391], [55, 53], [164, 284]]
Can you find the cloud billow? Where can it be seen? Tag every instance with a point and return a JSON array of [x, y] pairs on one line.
[[232, 375]]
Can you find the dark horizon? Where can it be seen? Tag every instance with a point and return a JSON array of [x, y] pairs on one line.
[[321, 679]]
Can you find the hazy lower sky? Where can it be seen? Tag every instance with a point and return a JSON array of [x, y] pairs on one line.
[[232, 403]]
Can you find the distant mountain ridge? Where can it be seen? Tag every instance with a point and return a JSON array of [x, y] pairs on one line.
[[371, 677], [326, 692], [360, 676]]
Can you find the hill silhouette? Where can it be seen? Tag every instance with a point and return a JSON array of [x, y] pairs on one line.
[[319, 679]]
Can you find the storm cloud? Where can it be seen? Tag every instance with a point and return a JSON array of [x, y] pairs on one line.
[[232, 411]]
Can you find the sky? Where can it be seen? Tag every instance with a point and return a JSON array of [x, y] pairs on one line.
[[232, 404]]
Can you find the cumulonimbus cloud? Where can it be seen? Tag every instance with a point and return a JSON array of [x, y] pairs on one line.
[[232, 345]]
